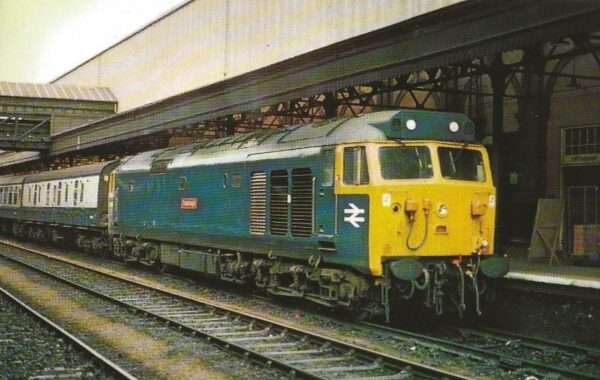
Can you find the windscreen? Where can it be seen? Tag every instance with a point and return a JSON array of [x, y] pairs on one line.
[[461, 164], [405, 162]]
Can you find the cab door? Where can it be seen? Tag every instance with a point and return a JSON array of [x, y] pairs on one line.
[[352, 206], [326, 201]]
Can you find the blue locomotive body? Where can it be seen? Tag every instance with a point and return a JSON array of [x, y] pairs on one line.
[[321, 211]]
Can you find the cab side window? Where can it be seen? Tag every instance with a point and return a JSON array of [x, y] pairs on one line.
[[355, 166]]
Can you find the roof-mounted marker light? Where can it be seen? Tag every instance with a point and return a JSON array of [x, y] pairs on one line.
[[453, 127], [411, 125]]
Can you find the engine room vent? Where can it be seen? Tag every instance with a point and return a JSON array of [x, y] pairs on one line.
[[302, 202], [258, 203], [159, 166], [279, 202]]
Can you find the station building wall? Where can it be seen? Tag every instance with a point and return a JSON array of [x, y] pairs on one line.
[[206, 41]]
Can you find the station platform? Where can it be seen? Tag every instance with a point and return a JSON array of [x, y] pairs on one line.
[[536, 276], [562, 275]]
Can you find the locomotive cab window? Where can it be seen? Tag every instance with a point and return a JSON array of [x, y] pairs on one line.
[[405, 162], [327, 168], [355, 166], [461, 164]]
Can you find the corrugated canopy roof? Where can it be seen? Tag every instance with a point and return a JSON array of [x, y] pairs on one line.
[[55, 91]]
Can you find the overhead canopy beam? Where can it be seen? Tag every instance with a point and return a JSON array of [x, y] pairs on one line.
[[454, 34], [19, 133]]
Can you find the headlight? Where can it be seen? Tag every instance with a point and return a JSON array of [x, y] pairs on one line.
[[442, 210], [411, 125], [453, 127]]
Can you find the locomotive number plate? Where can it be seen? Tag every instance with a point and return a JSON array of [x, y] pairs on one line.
[[189, 203]]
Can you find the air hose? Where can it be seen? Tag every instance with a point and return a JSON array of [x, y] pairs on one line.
[[412, 223]]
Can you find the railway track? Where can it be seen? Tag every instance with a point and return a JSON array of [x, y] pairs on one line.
[[512, 354], [37, 348], [511, 351], [294, 352]]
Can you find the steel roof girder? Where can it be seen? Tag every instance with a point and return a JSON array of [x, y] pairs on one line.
[[486, 29]]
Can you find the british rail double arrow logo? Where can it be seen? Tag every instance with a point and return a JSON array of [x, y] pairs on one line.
[[353, 215]]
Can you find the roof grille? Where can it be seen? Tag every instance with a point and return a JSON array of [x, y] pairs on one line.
[[159, 166]]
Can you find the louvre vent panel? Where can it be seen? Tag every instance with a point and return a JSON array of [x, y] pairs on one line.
[[302, 202], [258, 203], [279, 203]]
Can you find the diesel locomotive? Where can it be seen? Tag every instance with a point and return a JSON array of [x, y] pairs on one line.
[[354, 213]]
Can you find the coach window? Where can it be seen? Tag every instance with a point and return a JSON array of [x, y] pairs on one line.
[[75, 192], [58, 194], [355, 166], [47, 194], [66, 194], [81, 193]]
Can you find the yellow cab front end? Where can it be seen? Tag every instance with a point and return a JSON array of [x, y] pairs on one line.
[[432, 211], [430, 206]]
